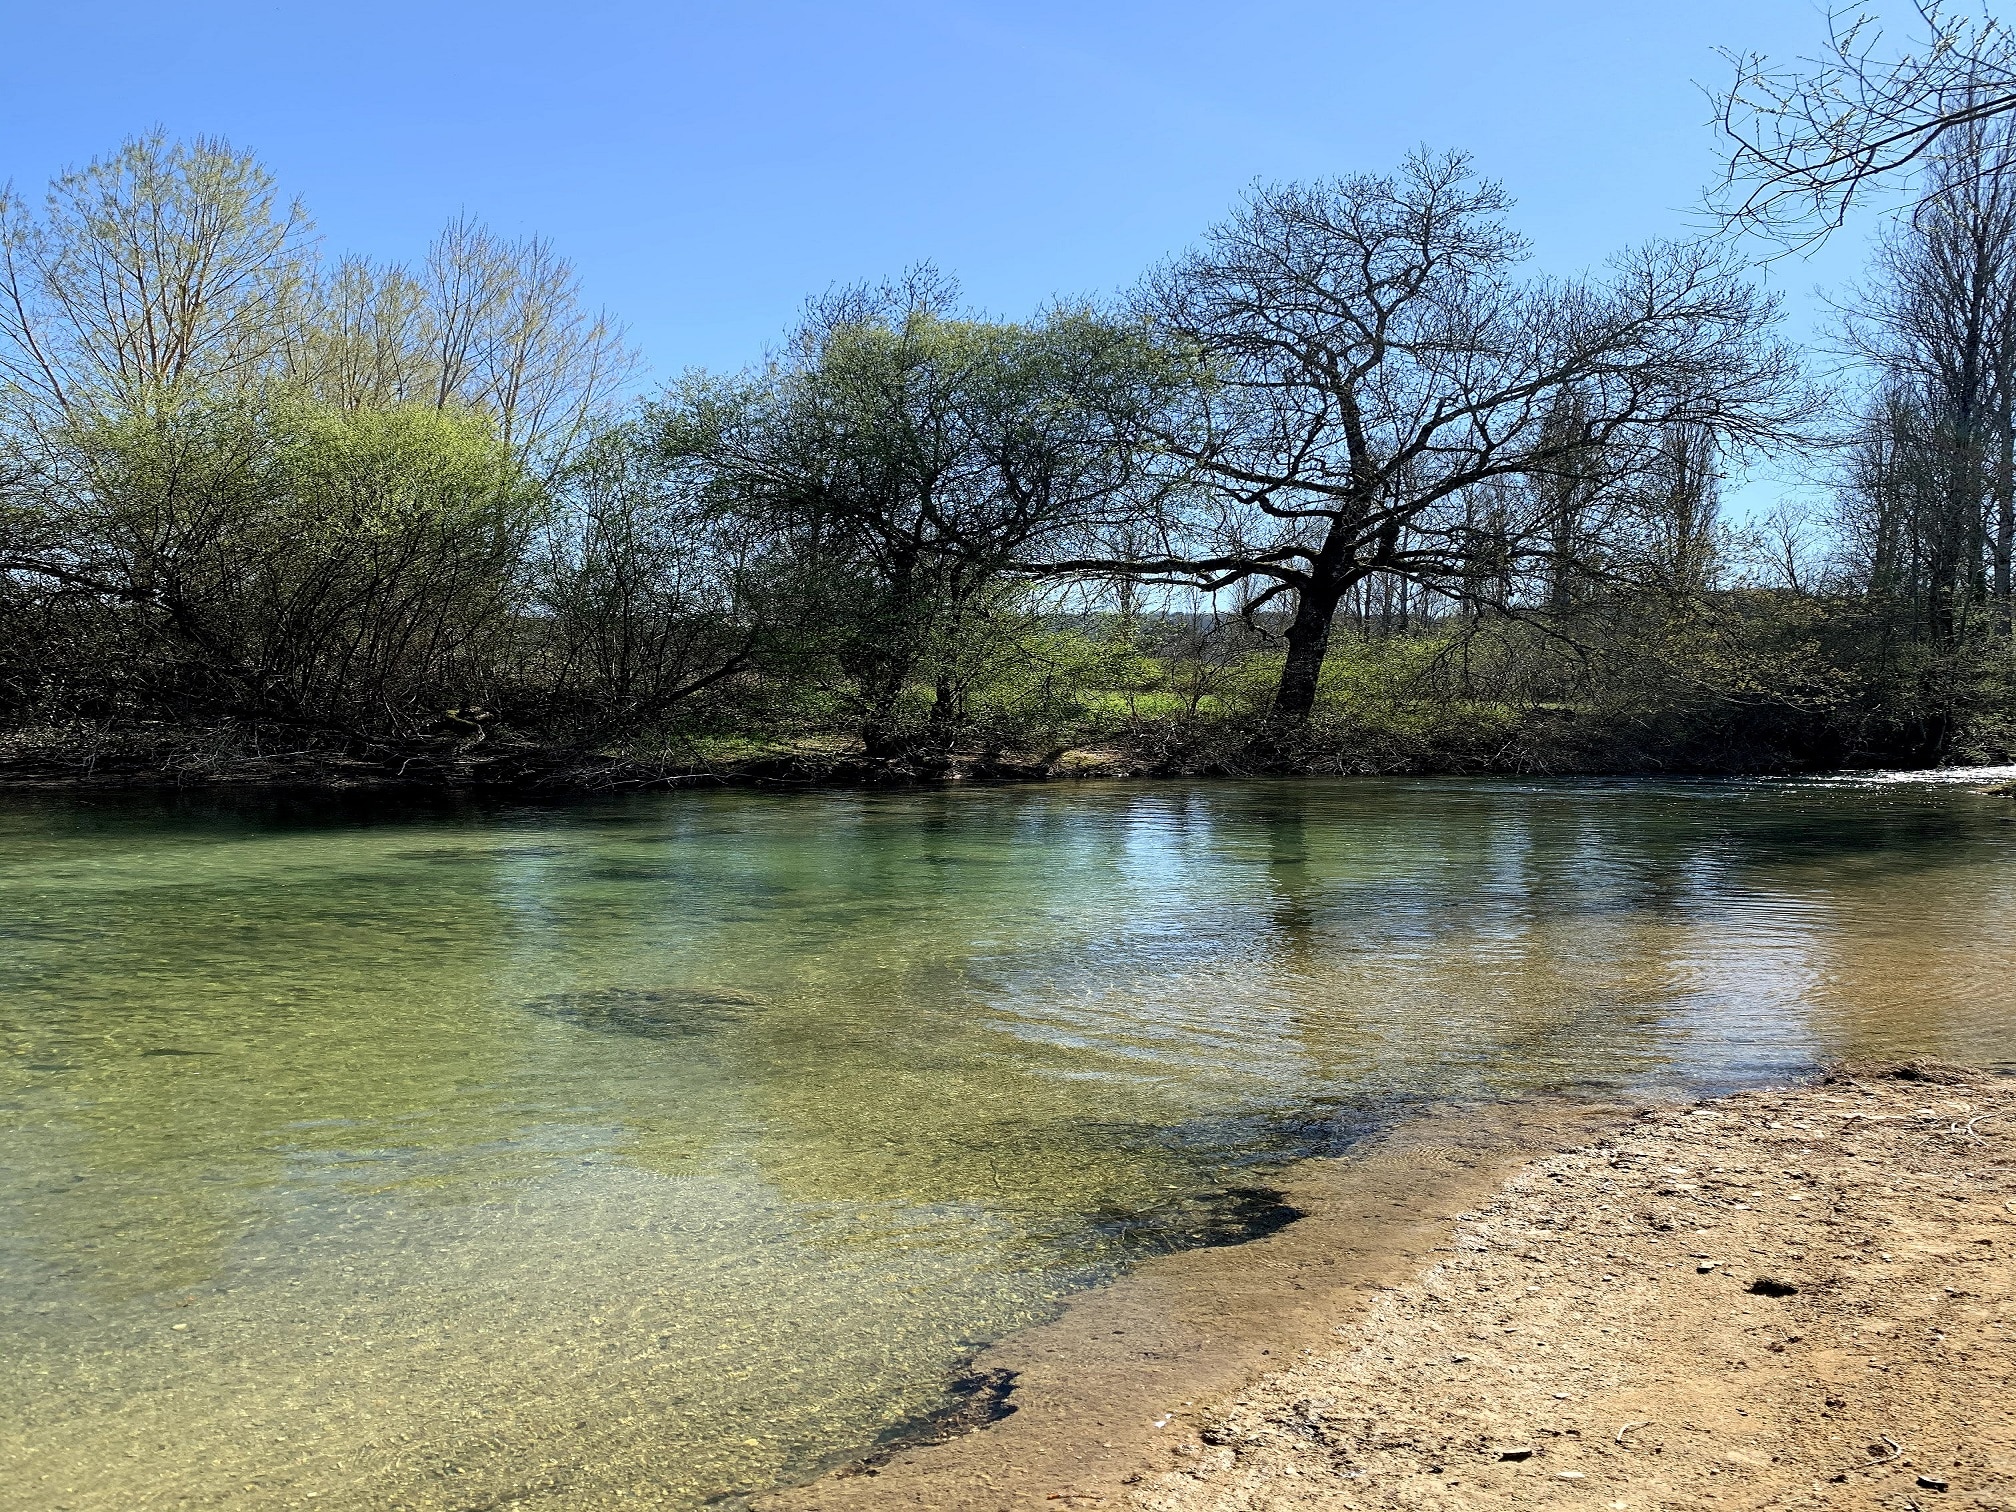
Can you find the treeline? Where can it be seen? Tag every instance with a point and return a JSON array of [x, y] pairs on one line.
[[1343, 487]]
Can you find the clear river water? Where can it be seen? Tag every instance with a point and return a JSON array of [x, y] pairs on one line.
[[649, 1152]]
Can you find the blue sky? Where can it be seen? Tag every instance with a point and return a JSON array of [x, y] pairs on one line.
[[709, 165]]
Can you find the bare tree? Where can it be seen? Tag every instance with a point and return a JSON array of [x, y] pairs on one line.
[[362, 337], [649, 593], [1786, 547], [507, 334], [1682, 504], [1366, 358], [1806, 142], [1939, 329]]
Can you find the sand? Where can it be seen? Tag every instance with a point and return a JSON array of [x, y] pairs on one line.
[[1794, 1297]]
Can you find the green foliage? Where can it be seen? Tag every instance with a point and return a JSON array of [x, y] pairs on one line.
[[162, 272], [251, 499], [1043, 687], [901, 461], [266, 556]]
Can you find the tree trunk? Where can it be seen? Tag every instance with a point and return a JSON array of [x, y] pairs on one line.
[[948, 711], [881, 708], [1308, 639], [887, 646], [2004, 547]]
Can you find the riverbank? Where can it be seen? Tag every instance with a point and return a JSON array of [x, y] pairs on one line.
[[479, 758], [1796, 1297], [1102, 1392], [512, 770]]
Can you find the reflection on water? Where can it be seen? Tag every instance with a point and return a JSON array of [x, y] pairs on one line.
[[630, 1155]]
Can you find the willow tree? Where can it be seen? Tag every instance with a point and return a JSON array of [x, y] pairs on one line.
[[482, 323], [275, 560], [169, 269], [165, 268], [238, 481]]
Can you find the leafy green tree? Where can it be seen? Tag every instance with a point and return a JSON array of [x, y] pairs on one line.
[[913, 458], [269, 558]]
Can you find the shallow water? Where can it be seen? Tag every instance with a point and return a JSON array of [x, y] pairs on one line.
[[642, 1153]]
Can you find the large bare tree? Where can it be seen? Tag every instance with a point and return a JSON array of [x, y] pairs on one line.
[[1367, 355]]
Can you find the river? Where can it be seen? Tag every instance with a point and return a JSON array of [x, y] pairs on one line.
[[644, 1152]]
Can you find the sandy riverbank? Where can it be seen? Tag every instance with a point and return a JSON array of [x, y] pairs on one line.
[[1792, 1297]]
